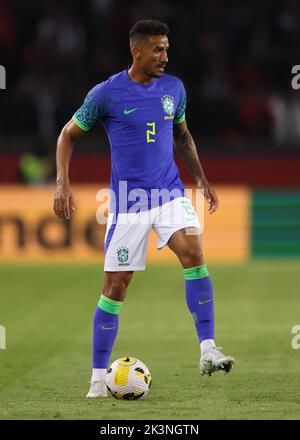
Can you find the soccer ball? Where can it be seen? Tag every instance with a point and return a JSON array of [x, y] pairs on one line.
[[128, 378]]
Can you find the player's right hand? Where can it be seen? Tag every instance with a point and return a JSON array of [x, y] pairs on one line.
[[63, 204]]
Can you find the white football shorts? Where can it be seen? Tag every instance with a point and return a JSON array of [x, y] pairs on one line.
[[126, 238]]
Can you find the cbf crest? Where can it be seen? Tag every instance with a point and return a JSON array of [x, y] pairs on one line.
[[168, 106], [123, 255]]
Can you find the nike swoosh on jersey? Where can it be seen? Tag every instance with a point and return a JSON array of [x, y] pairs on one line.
[[126, 112], [204, 302], [107, 328]]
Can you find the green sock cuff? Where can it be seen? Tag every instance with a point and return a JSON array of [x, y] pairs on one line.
[[109, 305], [195, 273]]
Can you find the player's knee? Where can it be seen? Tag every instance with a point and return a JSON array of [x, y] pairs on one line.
[[115, 290], [192, 257], [118, 286], [115, 287]]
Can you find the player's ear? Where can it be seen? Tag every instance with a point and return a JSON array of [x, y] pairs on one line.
[[136, 53]]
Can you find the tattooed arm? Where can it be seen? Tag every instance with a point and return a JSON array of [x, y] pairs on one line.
[[186, 149]]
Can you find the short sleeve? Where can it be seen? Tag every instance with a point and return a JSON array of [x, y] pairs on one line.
[[93, 107], [180, 111]]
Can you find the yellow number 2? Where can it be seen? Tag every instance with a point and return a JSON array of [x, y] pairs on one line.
[[151, 132]]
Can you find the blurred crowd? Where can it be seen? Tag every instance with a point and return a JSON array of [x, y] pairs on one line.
[[235, 59]]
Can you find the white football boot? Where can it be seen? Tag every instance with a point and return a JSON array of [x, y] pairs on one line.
[[98, 389], [213, 359]]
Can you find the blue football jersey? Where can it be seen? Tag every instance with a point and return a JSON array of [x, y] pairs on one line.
[[138, 120]]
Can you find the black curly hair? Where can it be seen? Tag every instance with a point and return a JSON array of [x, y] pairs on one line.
[[143, 29]]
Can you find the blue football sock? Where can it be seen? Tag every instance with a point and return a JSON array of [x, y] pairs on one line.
[[199, 298], [106, 321]]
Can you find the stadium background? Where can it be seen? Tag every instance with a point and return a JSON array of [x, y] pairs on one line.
[[235, 59]]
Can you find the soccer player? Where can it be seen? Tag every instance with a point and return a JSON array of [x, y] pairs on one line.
[[143, 112]]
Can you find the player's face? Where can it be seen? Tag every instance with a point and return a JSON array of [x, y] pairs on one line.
[[154, 55]]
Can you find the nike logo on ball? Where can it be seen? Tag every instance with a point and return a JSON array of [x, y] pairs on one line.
[[126, 112]]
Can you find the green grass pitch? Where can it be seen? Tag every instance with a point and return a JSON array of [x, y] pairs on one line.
[[47, 311]]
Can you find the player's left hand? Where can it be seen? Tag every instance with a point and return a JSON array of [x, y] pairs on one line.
[[210, 195]]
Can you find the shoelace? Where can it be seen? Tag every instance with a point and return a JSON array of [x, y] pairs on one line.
[[218, 351], [97, 383]]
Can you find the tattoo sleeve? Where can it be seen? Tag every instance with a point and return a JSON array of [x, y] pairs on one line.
[[186, 149]]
